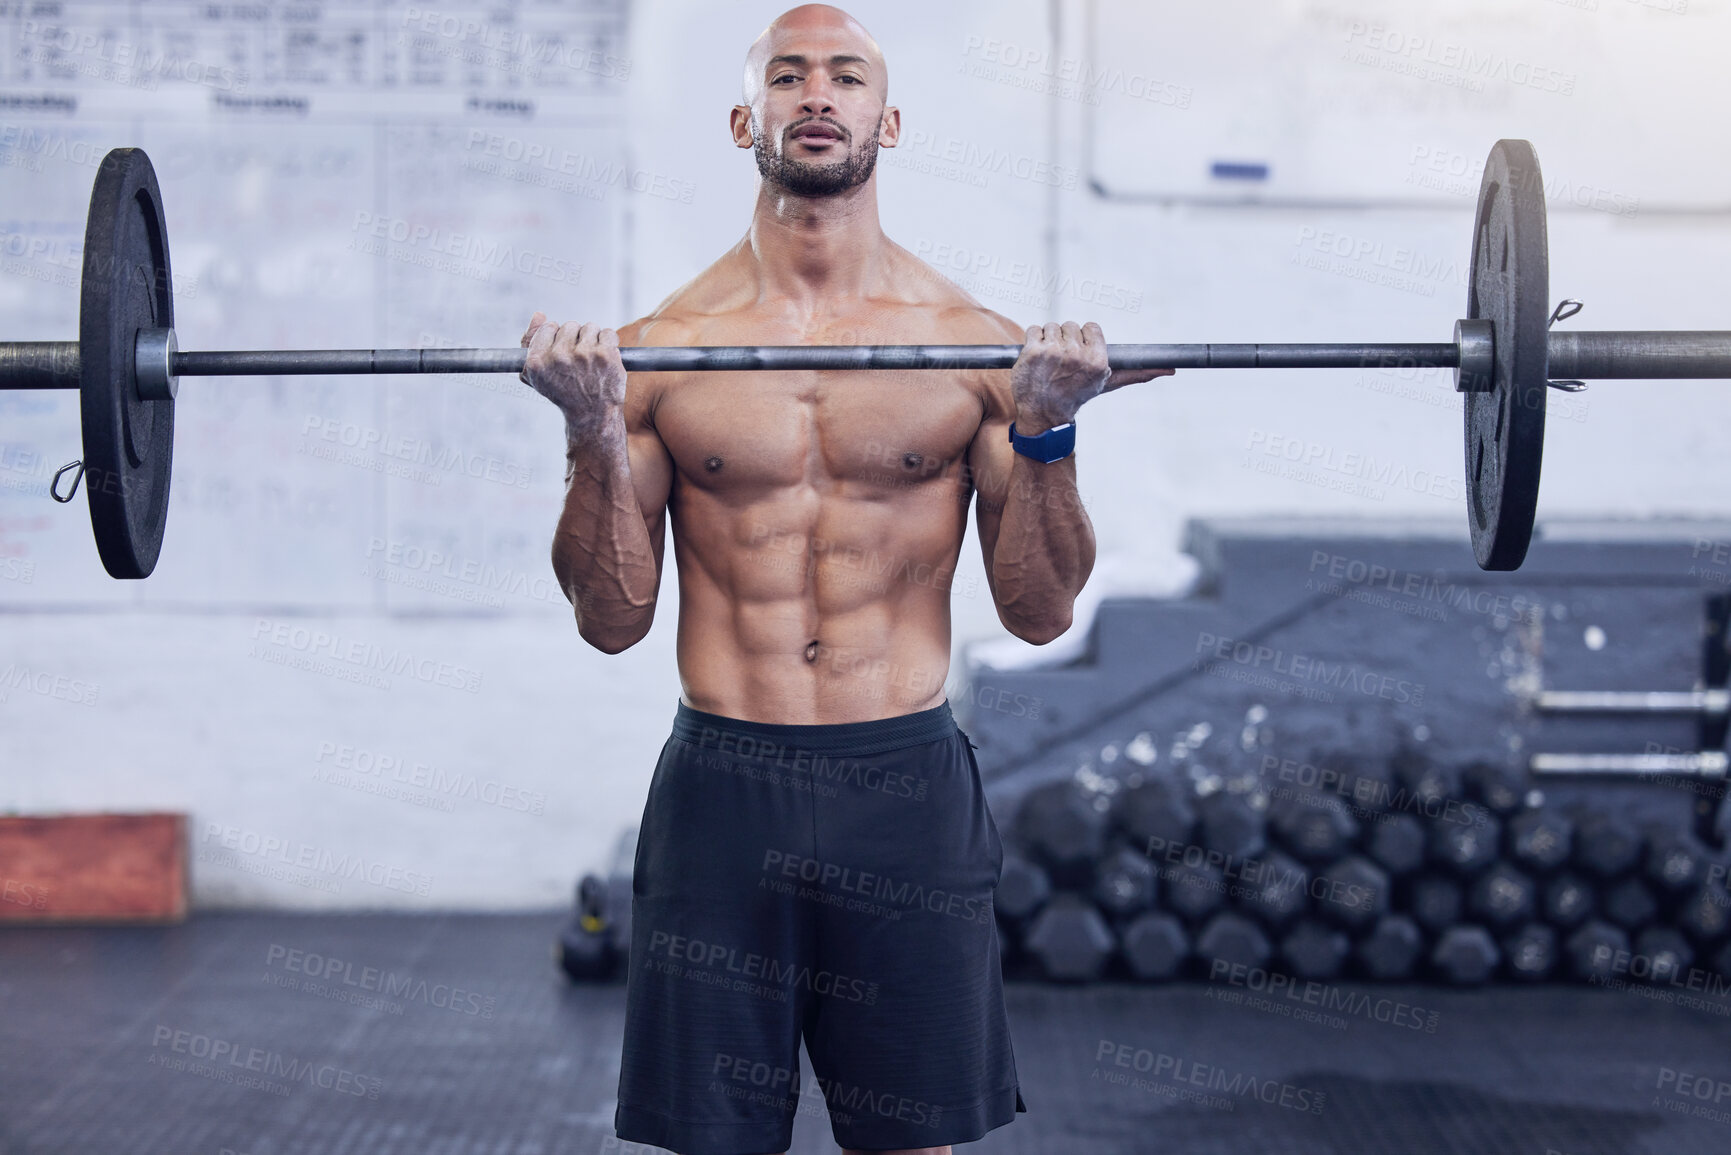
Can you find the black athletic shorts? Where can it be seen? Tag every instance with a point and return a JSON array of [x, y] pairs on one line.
[[826, 882]]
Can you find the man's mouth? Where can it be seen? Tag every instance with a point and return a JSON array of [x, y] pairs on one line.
[[816, 134]]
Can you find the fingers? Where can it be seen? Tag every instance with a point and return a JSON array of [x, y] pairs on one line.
[[539, 341], [569, 336], [542, 342], [535, 323], [585, 344], [593, 343], [1065, 333], [546, 341], [1083, 344]]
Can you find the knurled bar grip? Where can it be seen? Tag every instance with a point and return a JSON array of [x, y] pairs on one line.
[[39, 365]]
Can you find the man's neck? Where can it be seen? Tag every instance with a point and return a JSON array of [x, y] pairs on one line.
[[809, 248]]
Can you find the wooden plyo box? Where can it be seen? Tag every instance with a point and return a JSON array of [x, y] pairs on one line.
[[93, 868]]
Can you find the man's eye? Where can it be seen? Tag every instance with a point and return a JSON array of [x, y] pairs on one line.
[[786, 76], [849, 79]]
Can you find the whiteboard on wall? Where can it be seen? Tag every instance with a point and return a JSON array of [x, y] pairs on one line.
[[333, 175], [1297, 101]]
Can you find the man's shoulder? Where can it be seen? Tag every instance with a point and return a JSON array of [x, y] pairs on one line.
[[961, 319], [682, 317]]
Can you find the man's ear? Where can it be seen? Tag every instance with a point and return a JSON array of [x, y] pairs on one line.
[[739, 120], [890, 127]]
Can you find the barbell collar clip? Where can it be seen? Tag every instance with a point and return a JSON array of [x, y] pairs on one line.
[[54, 486]]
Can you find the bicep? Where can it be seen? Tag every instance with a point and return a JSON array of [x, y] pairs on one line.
[[652, 480], [989, 464], [645, 453], [990, 456]]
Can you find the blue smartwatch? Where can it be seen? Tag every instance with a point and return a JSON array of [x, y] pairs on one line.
[[1054, 444]]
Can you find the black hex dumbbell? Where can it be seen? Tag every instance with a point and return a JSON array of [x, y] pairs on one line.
[[1156, 812], [1465, 955], [1369, 786], [1629, 904], [1607, 846], [1314, 828], [1676, 860], [1234, 941], [1194, 890], [1233, 824], [1023, 888], [1352, 892], [1705, 914], [1276, 889], [1155, 946], [1124, 883], [1391, 949], [1667, 954], [1431, 784], [1569, 901], [1530, 953], [1396, 843], [1065, 830], [1314, 950], [1435, 902], [1540, 840], [1467, 842], [1593, 950], [1502, 897], [1069, 939], [1498, 788]]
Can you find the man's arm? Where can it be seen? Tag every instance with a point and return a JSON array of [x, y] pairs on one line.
[[1036, 537], [608, 544]]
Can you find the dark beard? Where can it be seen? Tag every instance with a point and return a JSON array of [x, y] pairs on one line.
[[804, 178]]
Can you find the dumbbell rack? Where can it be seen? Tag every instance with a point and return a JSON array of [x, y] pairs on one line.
[[1711, 705]]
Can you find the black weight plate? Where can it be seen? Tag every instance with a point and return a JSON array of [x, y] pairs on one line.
[[1510, 287], [128, 443]]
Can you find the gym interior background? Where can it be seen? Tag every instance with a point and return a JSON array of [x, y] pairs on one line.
[[355, 175]]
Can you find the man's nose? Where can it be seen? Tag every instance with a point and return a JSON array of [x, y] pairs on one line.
[[818, 97]]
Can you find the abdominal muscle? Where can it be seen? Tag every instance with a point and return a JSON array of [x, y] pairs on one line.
[[812, 611]]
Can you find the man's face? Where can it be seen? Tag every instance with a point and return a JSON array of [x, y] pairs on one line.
[[817, 119]]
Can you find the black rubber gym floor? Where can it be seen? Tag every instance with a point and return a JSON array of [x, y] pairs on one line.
[[456, 1035]]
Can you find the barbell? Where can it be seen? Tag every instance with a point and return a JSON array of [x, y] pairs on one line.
[[126, 363]]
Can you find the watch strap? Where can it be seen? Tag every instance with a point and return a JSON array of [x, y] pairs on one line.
[[1054, 444]]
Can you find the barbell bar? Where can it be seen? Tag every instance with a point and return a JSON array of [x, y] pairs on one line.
[[126, 362], [1596, 355]]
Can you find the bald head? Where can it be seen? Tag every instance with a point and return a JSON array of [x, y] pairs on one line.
[[814, 34]]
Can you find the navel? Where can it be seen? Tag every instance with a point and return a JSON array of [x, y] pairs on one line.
[[811, 651]]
